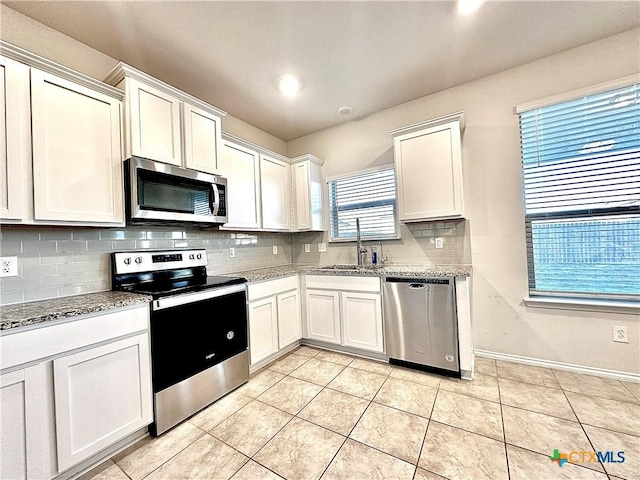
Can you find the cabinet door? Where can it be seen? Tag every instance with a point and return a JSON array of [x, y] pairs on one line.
[[15, 136], [101, 395], [362, 321], [241, 167], [289, 327], [27, 444], [77, 157], [263, 329], [429, 173], [154, 123], [323, 315], [201, 139], [275, 187], [301, 196]]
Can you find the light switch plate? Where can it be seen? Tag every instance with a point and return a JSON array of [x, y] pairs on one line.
[[439, 242], [307, 248], [275, 249], [232, 252], [322, 247]]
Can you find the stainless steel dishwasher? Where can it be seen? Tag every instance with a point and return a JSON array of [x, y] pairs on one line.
[[421, 328]]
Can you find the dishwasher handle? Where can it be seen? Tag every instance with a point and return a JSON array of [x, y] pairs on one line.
[[420, 282]]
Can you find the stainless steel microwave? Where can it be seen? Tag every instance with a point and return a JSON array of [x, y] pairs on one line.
[[159, 193]]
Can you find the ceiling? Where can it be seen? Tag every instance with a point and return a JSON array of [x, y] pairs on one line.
[[368, 54]]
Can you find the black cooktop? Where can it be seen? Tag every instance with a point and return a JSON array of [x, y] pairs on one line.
[[178, 287]]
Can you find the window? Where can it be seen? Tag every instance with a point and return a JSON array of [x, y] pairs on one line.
[[581, 175], [369, 196]]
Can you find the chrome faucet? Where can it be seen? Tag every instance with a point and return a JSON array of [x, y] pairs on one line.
[[360, 250]]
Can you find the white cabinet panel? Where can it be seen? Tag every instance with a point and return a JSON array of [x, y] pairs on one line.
[[428, 167], [263, 329], [362, 320], [15, 136], [275, 194], [101, 395], [289, 327], [154, 123], [201, 139], [323, 315], [308, 183], [77, 158], [241, 167], [26, 427]]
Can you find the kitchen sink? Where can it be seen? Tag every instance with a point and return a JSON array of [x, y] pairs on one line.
[[344, 267]]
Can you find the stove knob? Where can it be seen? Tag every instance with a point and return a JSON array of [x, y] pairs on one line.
[[230, 335], [138, 260], [127, 261], [199, 256], [192, 256]]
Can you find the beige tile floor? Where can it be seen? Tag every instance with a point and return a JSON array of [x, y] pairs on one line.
[[318, 414]]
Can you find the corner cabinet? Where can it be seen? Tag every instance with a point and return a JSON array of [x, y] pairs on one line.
[[428, 168], [165, 124], [308, 183], [62, 145]]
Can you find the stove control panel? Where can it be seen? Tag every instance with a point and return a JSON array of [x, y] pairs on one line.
[[153, 261]]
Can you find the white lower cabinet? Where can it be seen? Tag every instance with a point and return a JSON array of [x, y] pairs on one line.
[[345, 310], [274, 317], [86, 385], [101, 396], [27, 433]]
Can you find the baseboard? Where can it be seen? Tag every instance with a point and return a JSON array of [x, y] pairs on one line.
[[567, 367]]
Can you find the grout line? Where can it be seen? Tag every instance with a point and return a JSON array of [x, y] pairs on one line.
[[504, 430]]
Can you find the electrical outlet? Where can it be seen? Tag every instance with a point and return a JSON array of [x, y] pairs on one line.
[[9, 267], [232, 252], [322, 247], [307, 248], [439, 242], [620, 334], [275, 249]]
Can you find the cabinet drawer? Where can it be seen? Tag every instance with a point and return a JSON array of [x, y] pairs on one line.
[[344, 282], [28, 346], [271, 287]]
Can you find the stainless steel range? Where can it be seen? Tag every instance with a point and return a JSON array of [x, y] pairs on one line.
[[199, 349]]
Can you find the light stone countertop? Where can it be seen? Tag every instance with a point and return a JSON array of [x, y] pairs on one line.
[[32, 313], [272, 273]]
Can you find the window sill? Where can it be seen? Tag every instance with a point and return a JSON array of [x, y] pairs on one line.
[[629, 307]]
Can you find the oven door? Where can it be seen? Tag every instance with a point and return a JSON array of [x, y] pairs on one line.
[[192, 332], [160, 192]]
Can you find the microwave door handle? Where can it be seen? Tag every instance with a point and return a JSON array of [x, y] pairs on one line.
[[214, 200]]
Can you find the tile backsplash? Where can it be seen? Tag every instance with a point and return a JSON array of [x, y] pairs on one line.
[[62, 261], [416, 246]]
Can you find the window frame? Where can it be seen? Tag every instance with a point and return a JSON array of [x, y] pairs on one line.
[[566, 299], [356, 173]]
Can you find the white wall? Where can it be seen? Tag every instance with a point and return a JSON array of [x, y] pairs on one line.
[[493, 198], [37, 38]]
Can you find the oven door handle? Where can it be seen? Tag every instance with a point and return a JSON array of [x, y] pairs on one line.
[[178, 300]]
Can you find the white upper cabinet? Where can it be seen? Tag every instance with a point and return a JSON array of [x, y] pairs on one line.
[[61, 150], [153, 125], [201, 134], [275, 187], [77, 158], [428, 167], [241, 167], [15, 138], [165, 124], [308, 199]]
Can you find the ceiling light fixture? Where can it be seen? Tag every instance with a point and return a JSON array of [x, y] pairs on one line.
[[465, 7], [345, 109], [289, 85]]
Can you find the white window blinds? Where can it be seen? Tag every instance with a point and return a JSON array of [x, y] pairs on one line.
[[369, 196], [581, 176]]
